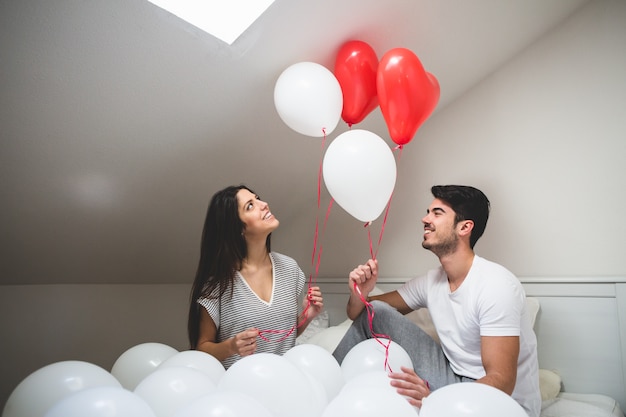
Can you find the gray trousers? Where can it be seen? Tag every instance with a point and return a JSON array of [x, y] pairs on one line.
[[429, 361]]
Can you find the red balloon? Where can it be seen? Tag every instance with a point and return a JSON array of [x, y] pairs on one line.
[[407, 93], [356, 67]]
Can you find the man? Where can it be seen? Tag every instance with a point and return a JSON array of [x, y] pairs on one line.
[[477, 306]]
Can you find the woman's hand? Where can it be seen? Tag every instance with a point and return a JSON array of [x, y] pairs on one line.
[[313, 303], [244, 343], [409, 385]]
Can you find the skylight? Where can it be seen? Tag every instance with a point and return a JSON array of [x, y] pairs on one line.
[[225, 19]]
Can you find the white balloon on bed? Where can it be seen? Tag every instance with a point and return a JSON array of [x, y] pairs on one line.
[[319, 363], [196, 359], [276, 383], [224, 403], [369, 402], [102, 402], [372, 355], [167, 390], [47, 385], [470, 399], [139, 361], [378, 380]]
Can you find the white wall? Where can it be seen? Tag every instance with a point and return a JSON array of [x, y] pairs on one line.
[[43, 324], [544, 137]]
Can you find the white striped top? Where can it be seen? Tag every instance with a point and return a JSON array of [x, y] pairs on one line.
[[245, 309]]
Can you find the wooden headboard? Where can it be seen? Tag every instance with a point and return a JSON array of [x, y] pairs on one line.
[[581, 327]]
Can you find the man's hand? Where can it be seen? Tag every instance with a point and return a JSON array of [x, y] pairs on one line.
[[408, 384]]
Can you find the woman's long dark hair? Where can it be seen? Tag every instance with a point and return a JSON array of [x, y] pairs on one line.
[[222, 251]]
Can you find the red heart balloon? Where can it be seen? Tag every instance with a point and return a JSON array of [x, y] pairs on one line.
[[356, 67], [407, 93]]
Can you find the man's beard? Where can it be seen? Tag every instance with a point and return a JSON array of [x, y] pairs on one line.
[[446, 247]]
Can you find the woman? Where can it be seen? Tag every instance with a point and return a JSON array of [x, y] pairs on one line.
[[245, 298]]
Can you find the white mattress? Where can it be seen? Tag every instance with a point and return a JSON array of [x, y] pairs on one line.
[[581, 405]]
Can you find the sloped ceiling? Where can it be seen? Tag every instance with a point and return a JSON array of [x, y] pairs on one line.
[[119, 121]]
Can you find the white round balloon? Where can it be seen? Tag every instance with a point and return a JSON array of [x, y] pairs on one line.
[[308, 99], [224, 403], [196, 359], [470, 399], [101, 402], [167, 390], [369, 402], [360, 173], [372, 379], [375, 379], [50, 384], [139, 361], [275, 382], [372, 355], [319, 363]]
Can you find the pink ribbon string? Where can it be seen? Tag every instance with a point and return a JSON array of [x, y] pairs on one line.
[[373, 254], [317, 249], [376, 336]]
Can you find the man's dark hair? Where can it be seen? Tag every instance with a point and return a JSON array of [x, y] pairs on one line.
[[468, 203]]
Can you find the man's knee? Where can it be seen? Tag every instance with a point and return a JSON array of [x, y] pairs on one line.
[[384, 311]]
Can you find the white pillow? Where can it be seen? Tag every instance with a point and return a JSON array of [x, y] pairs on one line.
[[330, 338], [317, 325], [532, 306], [549, 384]]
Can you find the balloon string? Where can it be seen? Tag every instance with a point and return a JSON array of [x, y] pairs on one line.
[[316, 249], [319, 199], [376, 336], [382, 228], [368, 306], [313, 279]]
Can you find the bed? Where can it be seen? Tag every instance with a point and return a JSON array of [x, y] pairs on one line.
[[581, 332]]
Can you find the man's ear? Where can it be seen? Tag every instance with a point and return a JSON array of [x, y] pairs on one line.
[[466, 227]]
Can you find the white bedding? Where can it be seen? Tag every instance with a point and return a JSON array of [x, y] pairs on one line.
[[581, 405]]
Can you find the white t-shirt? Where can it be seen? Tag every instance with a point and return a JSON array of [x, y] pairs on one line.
[[489, 302]]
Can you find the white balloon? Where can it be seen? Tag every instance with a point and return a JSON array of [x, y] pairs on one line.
[[223, 403], [308, 99], [360, 173], [371, 355], [199, 360], [50, 384], [275, 382], [470, 399], [317, 394], [101, 402], [369, 402], [167, 390], [320, 364], [374, 379], [139, 361]]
